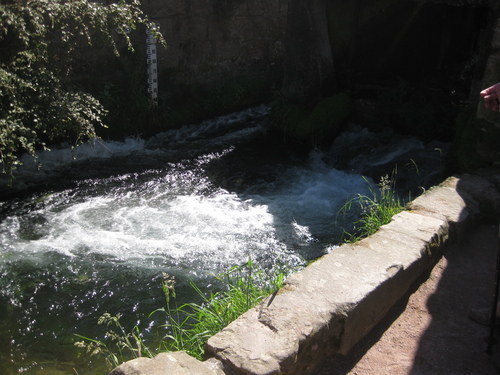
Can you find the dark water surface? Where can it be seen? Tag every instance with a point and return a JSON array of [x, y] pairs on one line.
[[94, 230]]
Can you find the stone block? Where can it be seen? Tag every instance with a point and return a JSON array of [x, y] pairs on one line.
[[444, 203], [191, 28], [412, 244], [201, 8], [335, 300], [247, 346], [258, 7], [175, 363], [432, 232]]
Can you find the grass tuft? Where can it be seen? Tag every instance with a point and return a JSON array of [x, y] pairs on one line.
[[375, 211], [190, 325]]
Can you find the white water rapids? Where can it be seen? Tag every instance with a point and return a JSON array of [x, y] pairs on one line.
[[94, 228]]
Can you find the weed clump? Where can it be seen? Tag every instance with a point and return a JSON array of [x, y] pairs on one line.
[[189, 326], [375, 211]]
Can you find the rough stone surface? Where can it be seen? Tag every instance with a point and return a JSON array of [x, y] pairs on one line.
[[206, 38], [175, 363], [308, 55], [429, 331], [339, 297], [329, 306], [444, 203]]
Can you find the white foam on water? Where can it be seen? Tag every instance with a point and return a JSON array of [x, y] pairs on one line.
[[93, 149], [188, 230], [312, 197], [363, 149], [185, 229]]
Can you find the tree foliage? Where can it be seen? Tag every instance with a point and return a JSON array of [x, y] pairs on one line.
[[39, 44]]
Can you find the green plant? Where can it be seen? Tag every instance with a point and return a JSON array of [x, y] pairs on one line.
[[125, 345], [188, 326], [192, 324], [375, 211], [41, 42]]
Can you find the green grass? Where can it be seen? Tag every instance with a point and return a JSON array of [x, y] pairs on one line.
[[375, 211], [118, 345], [190, 325]]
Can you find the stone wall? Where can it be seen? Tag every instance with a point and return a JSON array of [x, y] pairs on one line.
[[211, 40], [410, 65]]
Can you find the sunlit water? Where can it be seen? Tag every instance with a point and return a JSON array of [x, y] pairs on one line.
[[95, 228]]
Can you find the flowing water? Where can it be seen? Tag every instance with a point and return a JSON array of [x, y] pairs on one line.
[[94, 229]]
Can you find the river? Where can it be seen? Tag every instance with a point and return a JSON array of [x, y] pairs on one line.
[[95, 228]]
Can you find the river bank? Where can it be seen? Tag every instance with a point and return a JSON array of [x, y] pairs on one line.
[[429, 332]]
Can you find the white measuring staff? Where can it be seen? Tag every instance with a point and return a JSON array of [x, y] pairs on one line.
[[152, 64]]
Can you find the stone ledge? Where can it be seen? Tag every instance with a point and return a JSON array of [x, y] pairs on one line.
[[333, 303], [175, 363]]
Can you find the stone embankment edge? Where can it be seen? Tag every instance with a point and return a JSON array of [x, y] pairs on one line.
[[333, 303]]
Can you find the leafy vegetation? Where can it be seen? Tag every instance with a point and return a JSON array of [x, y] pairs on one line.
[[189, 326], [192, 324], [40, 42], [376, 210]]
